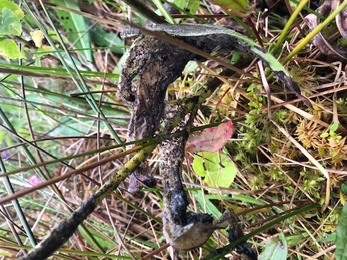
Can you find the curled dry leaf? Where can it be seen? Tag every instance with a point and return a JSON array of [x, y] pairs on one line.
[[211, 139], [341, 19], [319, 40]]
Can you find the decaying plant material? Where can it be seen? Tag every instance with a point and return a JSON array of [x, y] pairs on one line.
[[152, 65], [183, 230], [149, 68]]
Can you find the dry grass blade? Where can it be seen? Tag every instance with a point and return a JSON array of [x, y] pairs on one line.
[[312, 160]]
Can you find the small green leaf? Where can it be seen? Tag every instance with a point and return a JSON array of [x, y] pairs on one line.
[[334, 127], [275, 249], [9, 23], [324, 135], [180, 3], [295, 239], [328, 238], [252, 87], [341, 235], [206, 203], [217, 169], [9, 49], [193, 6], [235, 58], [190, 6]]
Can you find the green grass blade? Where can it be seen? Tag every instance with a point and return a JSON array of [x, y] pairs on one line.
[[341, 235], [78, 80], [318, 29], [9, 186], [163, 11], [77, 26], [213, 256], [288, 25]]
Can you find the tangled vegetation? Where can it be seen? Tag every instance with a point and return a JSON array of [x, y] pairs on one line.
[[63, 127]]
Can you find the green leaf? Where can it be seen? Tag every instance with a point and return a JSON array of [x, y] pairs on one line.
[[103, 240], [334, 127], [180, 3], [324, 135], [328, 238], [189, 5], [13, 7], [247, 199], [76, 27], [107, 39], [275, 249], [206, 203], [344, 188], [217, 169], [341, 235], [240, 8], [9, 49], [235, 57], [295, 239], [163, 11], [9, 23], [193, 6]]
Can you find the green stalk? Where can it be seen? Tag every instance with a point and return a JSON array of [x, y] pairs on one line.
[[288, 25], [163, 11], [9, 187], [317, 30]]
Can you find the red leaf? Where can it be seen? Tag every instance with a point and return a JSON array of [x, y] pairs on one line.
[[211, 139]]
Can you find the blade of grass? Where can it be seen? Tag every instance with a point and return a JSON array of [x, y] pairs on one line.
[[228, 248], [313, 160], [163, 11], [68, 101], [56, 72], [318, 29], [9, 187], [288, 24], [79, 81], [19, 211], [77, 25]]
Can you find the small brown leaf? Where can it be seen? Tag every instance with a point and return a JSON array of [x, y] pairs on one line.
[[319, 40]]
